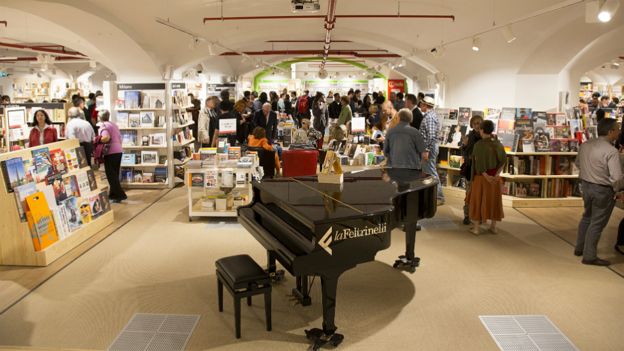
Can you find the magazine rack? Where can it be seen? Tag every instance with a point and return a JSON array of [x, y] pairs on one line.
[[16, 245]]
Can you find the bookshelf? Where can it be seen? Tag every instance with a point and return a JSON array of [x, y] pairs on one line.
[[546, 188], [151, 121], [16, 245]]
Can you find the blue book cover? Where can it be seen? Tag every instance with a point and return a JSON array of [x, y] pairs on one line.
[[128, 159], [132, 99], [13, 171], [43, 164], [160, 175]]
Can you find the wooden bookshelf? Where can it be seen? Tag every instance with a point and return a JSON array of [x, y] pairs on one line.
[[142, 128], [16, 246]]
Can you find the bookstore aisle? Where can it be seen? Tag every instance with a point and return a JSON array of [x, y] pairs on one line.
[[160, 263]]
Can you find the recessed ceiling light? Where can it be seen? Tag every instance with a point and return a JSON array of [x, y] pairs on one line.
[[509, 34], [476, 44]]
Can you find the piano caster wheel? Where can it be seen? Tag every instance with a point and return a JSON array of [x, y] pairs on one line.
[[407, 265], [190, 219], [277, 276], [318, 338], [418, 227]]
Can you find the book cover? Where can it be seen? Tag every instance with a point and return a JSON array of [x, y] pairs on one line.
[[196, 179], [61, 223], [555, 145], [134, 120], [122, 119], [534, 189], [149, 157], [528, 145], [524, 118], [40, 221], [561, 119], [147, 119], [85, 211], [126, 175], [455, 161], [464, 115], [542, 140], [48, 191], [565, 145], [58, 185], [57, 156], [21, 192], [576, 125], [70, 206], [129, 137], [148, 177], [160, 175], [211, 178], [128, 159], [95, 203], [43, 164], [92, 181], [234, 153], [137, 176], [71, 186], [573, 145], [562, 132], [71, 158], [14, 173], [132, 99], [508, 114], [539, 118], [104, 201], [82, 157], [82, 179], [158, 139], [29, 170], [550, 131], [551, 119]]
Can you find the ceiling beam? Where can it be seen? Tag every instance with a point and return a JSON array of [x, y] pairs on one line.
[[246, 18]]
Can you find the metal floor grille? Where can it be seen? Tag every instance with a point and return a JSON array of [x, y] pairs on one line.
[[526, 333], [155, 332]]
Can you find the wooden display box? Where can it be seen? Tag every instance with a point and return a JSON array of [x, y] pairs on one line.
[[16, 246]]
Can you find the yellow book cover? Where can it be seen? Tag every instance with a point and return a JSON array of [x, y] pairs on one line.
[[40, 221], [85, 211]]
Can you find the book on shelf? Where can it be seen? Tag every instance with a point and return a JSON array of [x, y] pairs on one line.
[[137, 176], [455, 161], [147, 119], [13, 173], [57, 157], [158, 139], [561, 132], [148, 177], [160, 175], [126, 175], [132, 99], [196, 179], [162, 160], [85, 210], [95, 205], [129, 159], [81, 156], [21, 192], [508, 114], [573, 145], [71, 158], [149, 157], [210, 178], [72, 211], [145, 140], [105, 201], [58, 185], [128, 137], [234, 153], [71, 186], [43, 164], [40, 221], [61, 222], [561, 119], [524, 119], [134, 120], [82, 179], [463, 116], [29, 170], [555, 145], [122, 119]]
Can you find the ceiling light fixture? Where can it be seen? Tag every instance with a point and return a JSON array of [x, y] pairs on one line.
[[509, 34], [607, 10], [476, 44], [211, 49]]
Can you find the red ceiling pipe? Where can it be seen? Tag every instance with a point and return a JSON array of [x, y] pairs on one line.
[[309, 52], [240, 18], [31, 58], [34, 48], [330, 22]]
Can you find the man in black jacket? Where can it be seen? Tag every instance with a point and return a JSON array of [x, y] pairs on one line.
[[266, 119], [411, 102], [335, 107]]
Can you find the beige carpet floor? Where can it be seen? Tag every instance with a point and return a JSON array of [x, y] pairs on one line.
[[564, 223], [17, 282], [160, 263]]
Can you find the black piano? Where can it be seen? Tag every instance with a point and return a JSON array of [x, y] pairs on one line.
[[315, 229]]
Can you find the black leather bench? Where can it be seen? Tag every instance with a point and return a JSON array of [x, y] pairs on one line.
[[243, 277]]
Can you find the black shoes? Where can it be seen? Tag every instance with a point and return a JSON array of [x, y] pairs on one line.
[[596, 262], [578, 252], [467, 221], [617, 248]]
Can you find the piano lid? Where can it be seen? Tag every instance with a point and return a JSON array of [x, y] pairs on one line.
[[363, 193]]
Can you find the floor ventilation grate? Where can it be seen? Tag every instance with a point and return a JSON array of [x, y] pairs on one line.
[[155, 332], [526, 333]]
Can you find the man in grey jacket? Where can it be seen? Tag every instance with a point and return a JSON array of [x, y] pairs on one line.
[[601, 176], [404, 144]]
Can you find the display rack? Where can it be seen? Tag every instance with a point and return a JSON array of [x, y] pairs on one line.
[[218, 189], [16, 243], [154, 130], [449, 161]]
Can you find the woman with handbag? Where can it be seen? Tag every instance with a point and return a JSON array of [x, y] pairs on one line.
[[467, 145], [485, 197], [109, 134]]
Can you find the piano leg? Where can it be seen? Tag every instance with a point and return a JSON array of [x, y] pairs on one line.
[[329, 286], [276, 275], [409, 261], [300, 292]]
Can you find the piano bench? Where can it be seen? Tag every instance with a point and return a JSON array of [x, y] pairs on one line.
[[243, 277]]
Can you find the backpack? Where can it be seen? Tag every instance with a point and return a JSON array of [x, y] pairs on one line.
[[303, 105]]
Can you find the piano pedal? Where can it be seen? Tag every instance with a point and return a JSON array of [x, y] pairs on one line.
[[277, 276], [319, 339], [406, 265]]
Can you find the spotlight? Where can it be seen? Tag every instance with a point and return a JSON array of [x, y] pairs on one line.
[[476, 44], [92, 64], [323, 74], [403, 63], [211, 49], [44, 67], [607, 10], [509, 34]]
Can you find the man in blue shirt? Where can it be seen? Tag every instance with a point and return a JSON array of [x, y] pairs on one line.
[[404, 143]]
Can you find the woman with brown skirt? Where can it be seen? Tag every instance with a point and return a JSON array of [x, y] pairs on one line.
[[486, 200]]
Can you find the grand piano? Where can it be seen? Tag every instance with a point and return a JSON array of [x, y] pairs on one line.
[[315, 229]]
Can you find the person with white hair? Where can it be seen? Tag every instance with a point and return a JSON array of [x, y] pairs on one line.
[[266, 119], [111, 135], [404, 144], [78, 128]]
